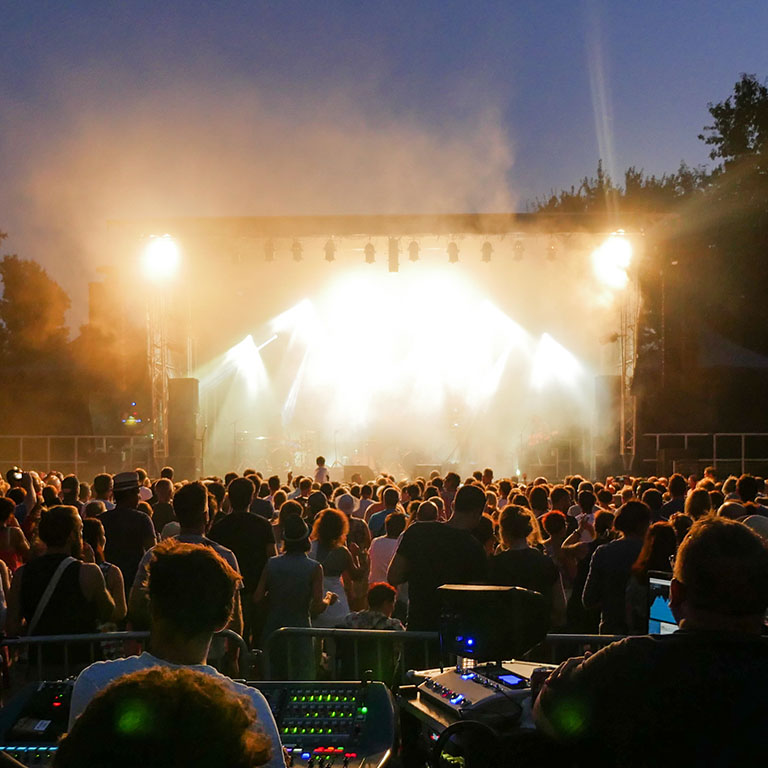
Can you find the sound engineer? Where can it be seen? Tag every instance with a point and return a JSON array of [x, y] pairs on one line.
[[191, 596], [694, 697]]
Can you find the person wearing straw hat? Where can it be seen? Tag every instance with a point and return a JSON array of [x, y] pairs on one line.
[[291, 586]]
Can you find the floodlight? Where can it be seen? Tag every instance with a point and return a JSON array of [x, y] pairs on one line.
[[161, 258], [610, 261]]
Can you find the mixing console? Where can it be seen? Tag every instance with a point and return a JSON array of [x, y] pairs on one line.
[[349, 725]]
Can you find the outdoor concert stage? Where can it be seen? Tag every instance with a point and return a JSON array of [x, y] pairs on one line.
[[396, 341]]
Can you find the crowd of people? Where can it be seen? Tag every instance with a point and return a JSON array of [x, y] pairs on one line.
[[254, 553]]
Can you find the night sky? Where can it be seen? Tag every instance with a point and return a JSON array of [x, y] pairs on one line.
[[526, 96]]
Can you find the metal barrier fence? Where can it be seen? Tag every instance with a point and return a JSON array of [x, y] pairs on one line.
[[127, 642], [350, 652], [89, 454], [349, 661]]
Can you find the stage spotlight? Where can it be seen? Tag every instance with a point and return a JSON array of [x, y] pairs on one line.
[[518, 249], [413, 250], [161, 258], [610, 261], [296, 250], [330, 250], [269, 251], [393, 258], [370, 253], [486, 250], [453, 252]]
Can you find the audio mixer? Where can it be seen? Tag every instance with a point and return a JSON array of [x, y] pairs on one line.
[[321, 724]]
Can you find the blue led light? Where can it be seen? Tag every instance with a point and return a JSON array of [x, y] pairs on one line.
[[305, 755], [470, 641]]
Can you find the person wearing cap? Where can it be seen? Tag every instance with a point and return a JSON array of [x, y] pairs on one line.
[[130, 533], [70, 489], [291, 589]]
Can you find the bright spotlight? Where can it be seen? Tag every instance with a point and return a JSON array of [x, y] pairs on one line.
[[486, 250], [413, 250], [247, 361], [161, 258], [554, 364], [453, 253], [296, 250], [330, 250], [370, 253], [610, 261]]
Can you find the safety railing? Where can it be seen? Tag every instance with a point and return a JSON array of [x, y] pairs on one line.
[[349, 653], [76, 453], [57, 656], [389, 654], [736, 452]]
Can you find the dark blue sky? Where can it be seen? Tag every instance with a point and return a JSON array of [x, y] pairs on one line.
[[565, 81]]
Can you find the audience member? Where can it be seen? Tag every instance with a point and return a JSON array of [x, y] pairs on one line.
[[192, 593], [130, 533], [699, 692]]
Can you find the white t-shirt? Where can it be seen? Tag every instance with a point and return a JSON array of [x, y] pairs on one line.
[[381, 552], [322, 474], [100, 674]]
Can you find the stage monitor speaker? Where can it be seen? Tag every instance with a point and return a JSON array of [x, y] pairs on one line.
[[183, 409], [358, 469]]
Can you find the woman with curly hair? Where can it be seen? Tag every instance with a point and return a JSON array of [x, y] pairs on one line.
[[340, 566]]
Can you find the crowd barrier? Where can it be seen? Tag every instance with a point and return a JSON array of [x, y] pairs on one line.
[[77, 651], [350, 653]]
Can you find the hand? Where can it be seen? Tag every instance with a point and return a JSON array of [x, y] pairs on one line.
[[290, 476], [331, 598], [87, 553], [567, 666]]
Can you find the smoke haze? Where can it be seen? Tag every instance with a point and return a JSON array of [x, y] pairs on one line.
[[203, 149]]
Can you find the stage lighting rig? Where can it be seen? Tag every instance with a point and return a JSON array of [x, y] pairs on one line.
[[269, 251], [296, 250], [330, 250], [370, 253], [393, 257], [486, 250], [453, 252], [413, 250]]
